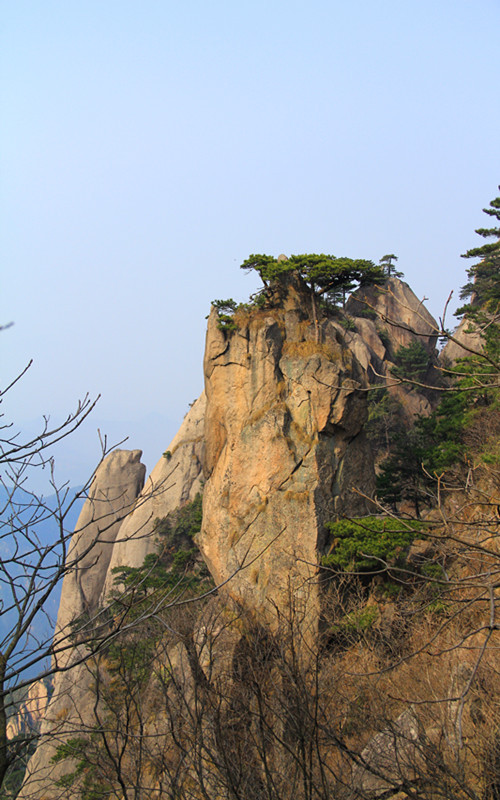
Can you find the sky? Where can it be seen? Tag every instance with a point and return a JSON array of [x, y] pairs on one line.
[[146, 149]]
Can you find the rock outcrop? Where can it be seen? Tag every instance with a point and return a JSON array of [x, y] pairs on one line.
[[277, 446], [466, 334], [391, 758], [284, 449], [31, 710], [112, 495], [397, 307]]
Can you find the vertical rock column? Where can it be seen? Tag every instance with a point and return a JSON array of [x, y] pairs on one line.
[[284, 449], [112, 495]]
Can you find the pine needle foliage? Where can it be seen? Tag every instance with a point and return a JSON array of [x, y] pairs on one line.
[[370, 544]]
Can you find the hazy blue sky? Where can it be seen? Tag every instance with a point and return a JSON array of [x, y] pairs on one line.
[[147, 148]]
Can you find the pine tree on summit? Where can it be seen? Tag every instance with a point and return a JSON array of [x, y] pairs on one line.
[[388, 267], [325, 275]]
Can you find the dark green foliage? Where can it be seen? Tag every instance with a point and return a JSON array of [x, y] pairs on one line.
[[440, 435], [483, 289], [348, 323], [384, 336], [443, 441], [267, 267], [175, 566], [185, 523], [91, 785], [474, 403], [367, 313], [438, 443], [353, 624], [369, 544], [412, 362], [225, 310], [324, 274], [385, 419], [402, 476], [225, 306], [483, 286], [183, 559], [335, 276]]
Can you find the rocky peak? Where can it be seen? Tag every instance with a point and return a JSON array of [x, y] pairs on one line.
[[31, 709], [279, 441]]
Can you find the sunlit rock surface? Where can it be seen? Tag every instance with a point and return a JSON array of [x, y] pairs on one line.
[[112, 494], [398, 308]]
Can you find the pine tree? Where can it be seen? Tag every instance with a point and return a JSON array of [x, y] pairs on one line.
[[326, 276], [483, 286], [388, 267]]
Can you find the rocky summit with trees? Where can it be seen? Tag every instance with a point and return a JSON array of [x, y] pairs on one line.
[[301, 602]]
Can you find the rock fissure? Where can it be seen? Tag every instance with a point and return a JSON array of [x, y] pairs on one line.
[[232, 364]]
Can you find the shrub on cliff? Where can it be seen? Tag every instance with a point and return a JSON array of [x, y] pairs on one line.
[[175, 567], [371, 544]]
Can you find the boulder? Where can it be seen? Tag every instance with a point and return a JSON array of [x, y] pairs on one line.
[[391, 759]]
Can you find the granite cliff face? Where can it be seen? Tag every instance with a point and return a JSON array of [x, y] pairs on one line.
[[31, 710], [284, 450], [112, 495]]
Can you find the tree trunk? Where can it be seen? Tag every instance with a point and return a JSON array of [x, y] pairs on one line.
[[314, 311]]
